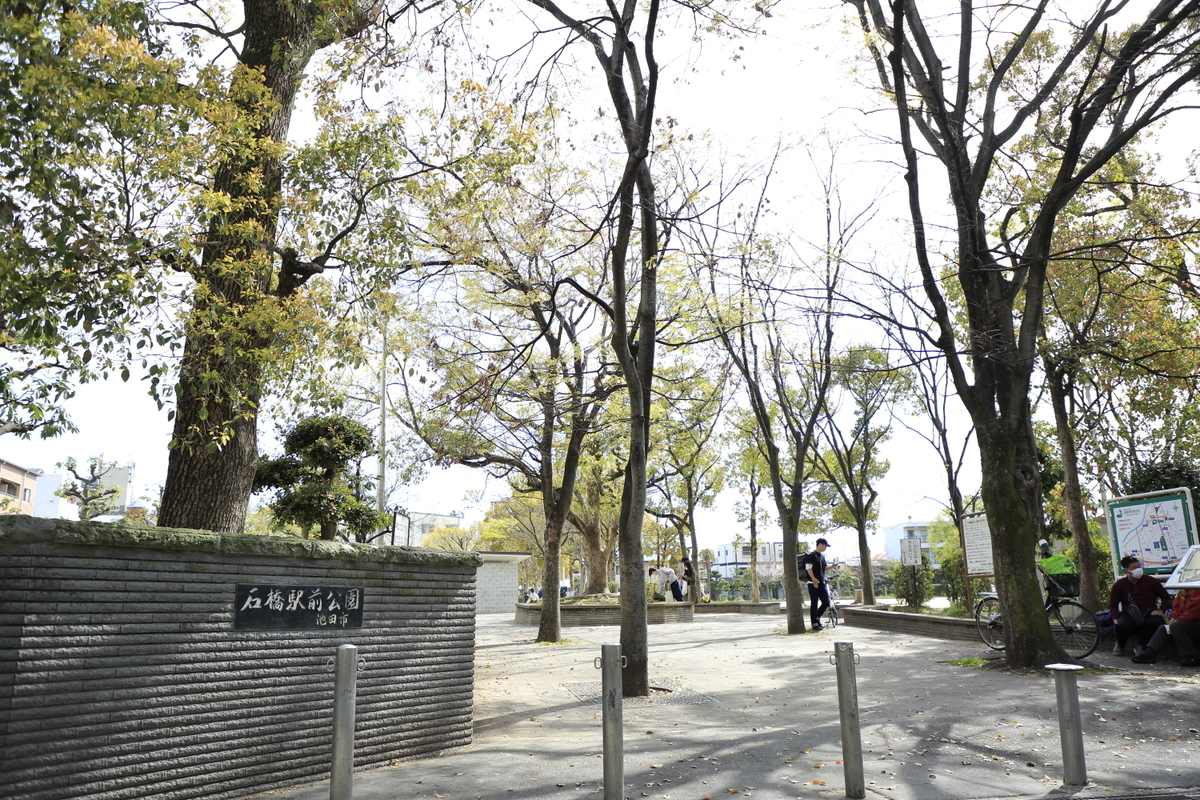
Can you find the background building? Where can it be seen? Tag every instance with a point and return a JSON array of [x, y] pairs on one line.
[[907, 530], [18, 488], [51, 506]]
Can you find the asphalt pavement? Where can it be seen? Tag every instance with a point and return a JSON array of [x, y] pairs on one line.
[[741, 709]]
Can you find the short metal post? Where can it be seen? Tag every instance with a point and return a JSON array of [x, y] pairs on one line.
[[1070, 725], [852, 755], [341, 781], [614, 737]]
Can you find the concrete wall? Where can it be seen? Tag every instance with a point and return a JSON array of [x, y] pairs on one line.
[[496, 588], [121, 675]]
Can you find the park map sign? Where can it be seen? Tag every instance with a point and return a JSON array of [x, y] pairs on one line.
[[1156, 528]]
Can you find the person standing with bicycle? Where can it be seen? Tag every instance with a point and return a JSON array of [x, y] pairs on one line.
[[812, 566], [1137, 605]]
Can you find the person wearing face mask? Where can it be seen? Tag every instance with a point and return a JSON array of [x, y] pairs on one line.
[[1147, 595]]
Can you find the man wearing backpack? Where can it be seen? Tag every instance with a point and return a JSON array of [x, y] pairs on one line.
[[811, 566]]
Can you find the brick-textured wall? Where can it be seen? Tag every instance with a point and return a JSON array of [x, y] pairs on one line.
[[121, 675]]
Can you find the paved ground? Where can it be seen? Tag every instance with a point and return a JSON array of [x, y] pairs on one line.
[[754, 714]]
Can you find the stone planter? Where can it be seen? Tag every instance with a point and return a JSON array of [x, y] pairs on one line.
[[603, 614], [740, 607], [933, 625]]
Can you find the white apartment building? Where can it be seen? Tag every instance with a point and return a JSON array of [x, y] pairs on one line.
[[49, 505], [907, 530]]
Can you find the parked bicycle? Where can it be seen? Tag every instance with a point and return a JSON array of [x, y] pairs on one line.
[[1073, 626]]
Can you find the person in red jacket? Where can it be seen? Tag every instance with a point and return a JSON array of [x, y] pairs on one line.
[[1184, 629], [1147, 594]]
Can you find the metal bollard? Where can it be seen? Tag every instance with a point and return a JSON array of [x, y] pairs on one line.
[[345, 690], [1070, 725], [852, 754], [610, 663]]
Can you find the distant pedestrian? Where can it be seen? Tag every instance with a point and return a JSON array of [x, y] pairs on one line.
[[666, 578], [812, 566]]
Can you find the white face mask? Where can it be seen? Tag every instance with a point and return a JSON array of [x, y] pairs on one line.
[[1135, 573]]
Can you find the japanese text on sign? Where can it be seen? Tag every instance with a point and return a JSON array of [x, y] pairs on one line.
[[977, 544], [269, 607]]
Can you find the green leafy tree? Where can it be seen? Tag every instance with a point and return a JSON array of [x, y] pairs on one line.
[[96, 134], [313, 484], [518, 390], [1156, 476], [685, 470], [781, 348], [1052, 102], [455, 537], [913, 585], [748, 471], [850, 457], [87, 488]]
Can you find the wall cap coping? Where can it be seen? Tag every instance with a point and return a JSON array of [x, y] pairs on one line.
[[19, 529]]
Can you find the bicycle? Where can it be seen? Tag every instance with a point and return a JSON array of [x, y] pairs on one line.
[[1073, 626], [830, 616]]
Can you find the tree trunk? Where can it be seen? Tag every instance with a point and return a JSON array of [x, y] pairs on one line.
[[549, 628], [1089, 581], [868, 569], [210, 471], [755, 592], [1012, 496], [794, 592], [635, 677], [597, 558]]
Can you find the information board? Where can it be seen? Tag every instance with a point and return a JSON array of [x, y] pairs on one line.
[[977, 544], [259, 606], [910, 552], [1157, 528]]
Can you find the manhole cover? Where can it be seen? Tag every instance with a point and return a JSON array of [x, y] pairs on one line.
[[662, 693]]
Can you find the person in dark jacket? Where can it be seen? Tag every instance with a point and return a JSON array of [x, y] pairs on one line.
[[812, 566], [1143, 591]]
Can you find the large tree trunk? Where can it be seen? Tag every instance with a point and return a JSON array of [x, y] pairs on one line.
[[214, 445], [1012, 496], [794, 591], [549, 629], [597, 558]]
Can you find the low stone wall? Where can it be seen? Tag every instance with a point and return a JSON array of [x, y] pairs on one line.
[[739, 607], [933, 625], [571, 615], [122, 675]]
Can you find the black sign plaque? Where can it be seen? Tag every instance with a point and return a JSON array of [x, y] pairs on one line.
[[261, 606]]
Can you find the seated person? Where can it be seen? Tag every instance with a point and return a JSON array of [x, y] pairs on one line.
[[1184, 629], [1148, 594]]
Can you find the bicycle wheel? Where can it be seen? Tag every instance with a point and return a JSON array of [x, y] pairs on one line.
[[1074, 628], [831, 616], [987, 620]]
